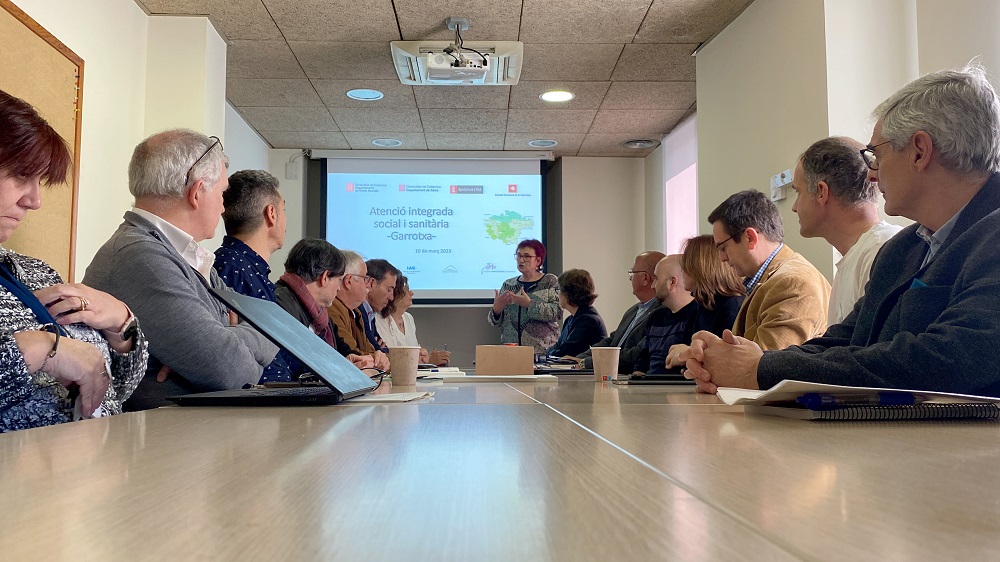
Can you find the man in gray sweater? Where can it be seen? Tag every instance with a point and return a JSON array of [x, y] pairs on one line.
[[154, 264]]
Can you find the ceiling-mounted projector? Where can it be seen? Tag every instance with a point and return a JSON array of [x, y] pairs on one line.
[[443, 67], [443, 63]]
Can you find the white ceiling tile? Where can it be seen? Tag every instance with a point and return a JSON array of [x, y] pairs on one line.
[[650, 95], [334, 93], [588, 94], [581, 21], [235, 19], [272, 92], [334, 20], [464, 120], [492, 20], [300, 139], [569, 143], [344, 61], [647, 121], [550, 120], [400, 120], [261, 59], [461, 97], [363, 140], [687, 21], [655, 62], [464, 141], [597, 144], [289, 118], [576, 62]]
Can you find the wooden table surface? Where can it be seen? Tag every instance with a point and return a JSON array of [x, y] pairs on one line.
[[381, 482], [857, 490], [573, 470]]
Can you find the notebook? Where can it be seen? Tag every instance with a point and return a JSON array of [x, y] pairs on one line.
[[341, 379], [815, 401]]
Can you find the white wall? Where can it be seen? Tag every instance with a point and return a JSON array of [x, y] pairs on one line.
[[293, 191], [110, 36], [762, 99], [246, 151], [603, 230], [680, 172], [953, 32], [654, 195], [854, 30]]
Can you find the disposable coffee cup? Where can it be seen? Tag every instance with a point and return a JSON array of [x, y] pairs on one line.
[[403, 361], [605, 363]]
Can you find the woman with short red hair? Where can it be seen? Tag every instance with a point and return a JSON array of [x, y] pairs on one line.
[[67, 351]]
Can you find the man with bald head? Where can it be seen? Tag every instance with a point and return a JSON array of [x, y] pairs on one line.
[[629, 333], [154, 264], [666, 326]]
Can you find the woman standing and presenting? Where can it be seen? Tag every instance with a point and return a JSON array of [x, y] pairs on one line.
[[61, 344], [526, 308], [396, 325]]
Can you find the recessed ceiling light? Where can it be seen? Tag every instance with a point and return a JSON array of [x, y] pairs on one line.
[[387, 143], [363, 94], [641, 143], [542, 143], [557, 95]]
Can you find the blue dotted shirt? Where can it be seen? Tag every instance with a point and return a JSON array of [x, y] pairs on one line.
[[245, 272]]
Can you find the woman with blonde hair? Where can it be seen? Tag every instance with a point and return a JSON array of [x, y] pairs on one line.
[[716, 293]]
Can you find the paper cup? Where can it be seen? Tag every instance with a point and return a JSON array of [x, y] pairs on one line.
[[605, 363], [403, 363]]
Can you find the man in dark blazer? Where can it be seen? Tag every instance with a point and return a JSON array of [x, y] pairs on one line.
[[628, 334], [930, 319]]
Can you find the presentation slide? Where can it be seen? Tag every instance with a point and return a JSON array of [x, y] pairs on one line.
[[453, 236]]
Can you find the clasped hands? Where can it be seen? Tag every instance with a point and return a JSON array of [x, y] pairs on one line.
[[712, 361], [501, 300]]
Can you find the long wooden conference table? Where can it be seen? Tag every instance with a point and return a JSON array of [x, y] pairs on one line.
[[574, 470]]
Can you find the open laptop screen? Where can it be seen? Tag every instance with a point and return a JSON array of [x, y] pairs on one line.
[[284, 330]]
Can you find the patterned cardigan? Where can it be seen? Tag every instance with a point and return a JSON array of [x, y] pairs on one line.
[[538, 324], [35, 399]]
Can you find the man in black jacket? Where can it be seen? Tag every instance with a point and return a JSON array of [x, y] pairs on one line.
[[928, 320]]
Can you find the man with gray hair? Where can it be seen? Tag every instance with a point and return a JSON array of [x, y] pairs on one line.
[[836, 201], [154, 264], [928, 320], [346, 314]]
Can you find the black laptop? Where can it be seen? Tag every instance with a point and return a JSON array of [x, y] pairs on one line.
[[673, 376], [341, 379]]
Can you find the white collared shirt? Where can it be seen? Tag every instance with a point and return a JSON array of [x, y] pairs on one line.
[[197, 257], [854, 269]]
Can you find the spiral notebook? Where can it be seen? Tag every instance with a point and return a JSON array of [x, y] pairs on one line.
[[814, 401]]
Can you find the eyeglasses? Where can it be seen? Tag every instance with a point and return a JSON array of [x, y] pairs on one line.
[[868, 153], [524, 256], [632, 272], [187, 176], [720, 245], [366, 278]]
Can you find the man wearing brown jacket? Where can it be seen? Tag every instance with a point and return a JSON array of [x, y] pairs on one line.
[[787, 298]]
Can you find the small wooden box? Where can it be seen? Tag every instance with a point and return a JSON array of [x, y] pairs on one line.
[[505, 360]]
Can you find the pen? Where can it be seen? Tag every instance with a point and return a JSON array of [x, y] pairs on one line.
[[816, 401]]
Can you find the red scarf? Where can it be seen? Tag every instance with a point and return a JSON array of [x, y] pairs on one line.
[[320, 317]]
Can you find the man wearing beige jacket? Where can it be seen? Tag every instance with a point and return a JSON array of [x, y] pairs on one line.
[[787, 298]]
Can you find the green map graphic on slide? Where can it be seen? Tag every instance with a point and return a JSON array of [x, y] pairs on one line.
[[507, 227]]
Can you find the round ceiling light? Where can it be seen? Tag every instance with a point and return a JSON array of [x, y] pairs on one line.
[[362, 94], [542, 143], [557, 96], [387, 143], [640, 143]]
